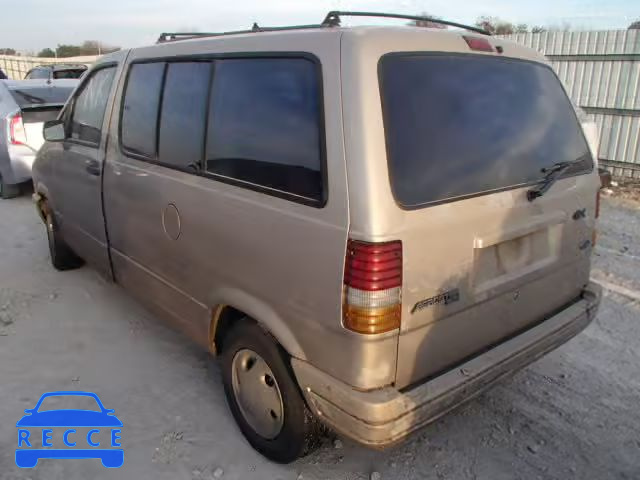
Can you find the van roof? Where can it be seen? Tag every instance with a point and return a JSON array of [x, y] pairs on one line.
[[391, 38]]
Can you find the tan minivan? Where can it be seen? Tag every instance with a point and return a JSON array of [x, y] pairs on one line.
[[369, 225]]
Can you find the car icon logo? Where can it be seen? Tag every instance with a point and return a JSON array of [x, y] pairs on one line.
[[70, 437]]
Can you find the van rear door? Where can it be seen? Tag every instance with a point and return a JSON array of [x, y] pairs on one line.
[[467, 136]]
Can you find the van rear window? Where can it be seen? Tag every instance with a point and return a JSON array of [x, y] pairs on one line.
[[461, 125]]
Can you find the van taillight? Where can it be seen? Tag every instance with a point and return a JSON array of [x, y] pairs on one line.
[[17, 134], [372, 286]]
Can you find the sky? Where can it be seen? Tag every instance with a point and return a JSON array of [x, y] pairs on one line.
[[30, 25]]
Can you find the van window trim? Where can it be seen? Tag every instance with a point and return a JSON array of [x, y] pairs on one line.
[[212, 58], [433, 203], [69, 112]]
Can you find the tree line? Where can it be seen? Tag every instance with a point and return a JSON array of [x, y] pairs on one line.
[[88, 47], [498, 26]]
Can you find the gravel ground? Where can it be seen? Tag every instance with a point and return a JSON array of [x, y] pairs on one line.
[[573, 414]]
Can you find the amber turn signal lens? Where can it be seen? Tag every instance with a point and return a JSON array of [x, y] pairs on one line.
[[372, 320]]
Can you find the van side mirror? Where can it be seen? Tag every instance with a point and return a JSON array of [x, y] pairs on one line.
[[53, 131]]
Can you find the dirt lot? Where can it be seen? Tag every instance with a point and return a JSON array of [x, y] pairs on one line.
[[573, 414]]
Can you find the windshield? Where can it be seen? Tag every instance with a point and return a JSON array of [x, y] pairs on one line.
[[29, 96], [461, 125]]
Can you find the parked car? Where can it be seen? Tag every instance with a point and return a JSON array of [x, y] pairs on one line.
[[24, 107], [56, 71], [369, 225]]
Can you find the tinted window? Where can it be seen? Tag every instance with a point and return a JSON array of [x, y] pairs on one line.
[[26, 96], [68, 73], [38, 74], [184, 108], [89, 106], [140, 111], [264, 125], [461, 125]]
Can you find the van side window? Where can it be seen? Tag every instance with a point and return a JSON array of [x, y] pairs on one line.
[[89, 106], [140, 110], [183, 115], [264, 125]]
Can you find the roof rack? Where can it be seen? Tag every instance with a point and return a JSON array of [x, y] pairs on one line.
[[173, 36], [331, 20]]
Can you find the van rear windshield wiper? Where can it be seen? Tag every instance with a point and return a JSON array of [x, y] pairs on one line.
[[552, 174]]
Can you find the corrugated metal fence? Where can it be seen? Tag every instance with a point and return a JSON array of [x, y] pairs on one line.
[[601, 72], [16, 67]]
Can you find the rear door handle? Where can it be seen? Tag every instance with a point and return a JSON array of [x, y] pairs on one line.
[[93, 167]]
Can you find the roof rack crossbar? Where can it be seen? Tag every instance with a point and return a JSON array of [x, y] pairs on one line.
[[257, 28], [174, 36], [171, 36], [333, 19]]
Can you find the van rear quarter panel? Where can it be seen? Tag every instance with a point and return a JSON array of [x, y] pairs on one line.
[[278, 261], [442, 243]]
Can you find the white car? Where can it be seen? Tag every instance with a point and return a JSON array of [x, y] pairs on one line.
[[24, 107]]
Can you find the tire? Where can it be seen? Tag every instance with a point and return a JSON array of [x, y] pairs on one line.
[[8, 191], [62, 257], [300, 431]]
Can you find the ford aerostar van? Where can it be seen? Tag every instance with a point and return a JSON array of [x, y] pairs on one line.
[[369, 225]]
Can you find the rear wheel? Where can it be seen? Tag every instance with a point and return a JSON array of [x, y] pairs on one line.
[[263, 396], [62, 257], [8, 191]]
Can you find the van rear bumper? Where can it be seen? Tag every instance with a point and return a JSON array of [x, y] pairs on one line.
[[385, 416]]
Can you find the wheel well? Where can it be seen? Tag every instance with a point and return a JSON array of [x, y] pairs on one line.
[[224, 318], [43, 207]]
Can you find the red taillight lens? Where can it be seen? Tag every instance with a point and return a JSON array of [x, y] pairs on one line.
[[372, 286], [373, 266], [478, 43], [17, 134]]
